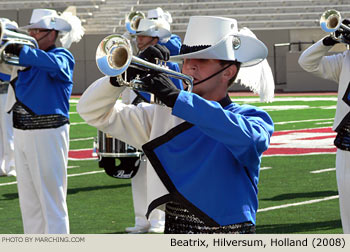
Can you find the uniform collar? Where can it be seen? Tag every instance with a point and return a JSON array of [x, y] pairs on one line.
[[225, 101]]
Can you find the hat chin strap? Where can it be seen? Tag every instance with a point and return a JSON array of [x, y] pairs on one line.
[[214, 74], [47, 34]]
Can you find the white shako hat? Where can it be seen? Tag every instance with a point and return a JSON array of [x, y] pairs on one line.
[[209, 37], [155, 13], [67, 24], [154, 28], [158, 13], [47, 19]]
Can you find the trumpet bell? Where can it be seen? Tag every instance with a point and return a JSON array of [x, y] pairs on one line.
[[8, 37], [113, 55], [330, 20]]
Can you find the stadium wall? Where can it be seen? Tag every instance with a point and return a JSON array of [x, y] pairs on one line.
[[289, 77]]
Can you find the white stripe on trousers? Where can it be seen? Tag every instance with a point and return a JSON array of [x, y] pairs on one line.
[[41, 158], [7, 156], [343, 181]]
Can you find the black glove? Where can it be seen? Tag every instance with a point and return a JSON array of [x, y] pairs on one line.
[[155, 52], [131, 74], [113, 81], [150, 54], [345, 33], [14, 49], [329, 41], [162, 87], [346, 22]]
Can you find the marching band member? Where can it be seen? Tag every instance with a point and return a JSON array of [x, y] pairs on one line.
[[41, 120], [336, 68], [174, 43], [147, 36], [7, 154], [204, 151]]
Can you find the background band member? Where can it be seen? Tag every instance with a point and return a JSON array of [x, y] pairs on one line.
[[7, 154], [174, 43], [41, 120], [147, 36], [336, 67], [204, 150]]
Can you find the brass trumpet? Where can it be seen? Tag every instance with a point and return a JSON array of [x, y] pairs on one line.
[[132, 21], [114, 56], [8, 37], [331, 21]]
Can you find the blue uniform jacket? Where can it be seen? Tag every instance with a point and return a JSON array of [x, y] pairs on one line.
[[46, 84], [210, 163], [173, 44], [5, 77]]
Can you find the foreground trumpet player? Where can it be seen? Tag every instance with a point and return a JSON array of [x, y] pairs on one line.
[[336, 67], [7, 152], [204, 150], [41, 120]]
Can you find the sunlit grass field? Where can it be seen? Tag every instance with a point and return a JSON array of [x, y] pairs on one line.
[[291, 198]]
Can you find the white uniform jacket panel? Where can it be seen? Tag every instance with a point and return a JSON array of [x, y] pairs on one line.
[[99, 108], [334, 67], [11, 97], [6, 68]]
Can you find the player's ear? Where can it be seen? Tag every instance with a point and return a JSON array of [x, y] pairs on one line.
[[230, 72]]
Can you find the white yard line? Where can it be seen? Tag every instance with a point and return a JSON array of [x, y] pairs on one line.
[[85, 173], [327, 107], [323, 170], [301, 121], [284, 107], [287, 99], [9, 183], [73, 166], [322, 123], [81, 139], [69, 175], [299, 154], [292, 107], [78, 123], [298, 204]]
